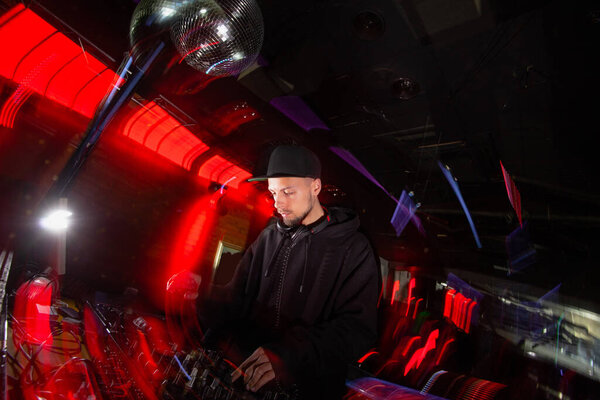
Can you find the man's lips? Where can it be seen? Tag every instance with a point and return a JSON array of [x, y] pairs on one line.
[[284, 213]]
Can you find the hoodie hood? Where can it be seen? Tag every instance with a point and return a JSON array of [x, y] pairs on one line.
[[342, 221]]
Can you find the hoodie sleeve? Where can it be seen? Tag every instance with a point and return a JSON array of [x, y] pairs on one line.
[[326, 348]]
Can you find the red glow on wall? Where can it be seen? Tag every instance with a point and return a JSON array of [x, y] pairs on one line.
[[419, 354], [192, 235], [459, 309], [218, 169], [153, 127], [38, 57]]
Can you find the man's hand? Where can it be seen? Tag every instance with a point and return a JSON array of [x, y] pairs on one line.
[[256, 369]]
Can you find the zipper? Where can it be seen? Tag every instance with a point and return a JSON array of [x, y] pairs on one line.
[[285, 260], [286, 257]]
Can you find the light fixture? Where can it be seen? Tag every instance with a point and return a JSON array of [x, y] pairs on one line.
[[56, 220]]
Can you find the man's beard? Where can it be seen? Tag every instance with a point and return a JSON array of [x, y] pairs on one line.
[[297, 221]]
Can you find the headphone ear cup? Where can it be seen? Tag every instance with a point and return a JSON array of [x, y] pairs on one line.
[[283, 228]]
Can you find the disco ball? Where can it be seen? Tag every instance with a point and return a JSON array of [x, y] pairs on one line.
[[216, 37]]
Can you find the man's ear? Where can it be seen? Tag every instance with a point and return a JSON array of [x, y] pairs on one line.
[[316, 186]]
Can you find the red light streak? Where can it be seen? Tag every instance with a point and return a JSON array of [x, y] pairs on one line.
[[12, 106], [409, 344], [369, 354], [513, 193], [419, 354], [146, 350], [459, 309], [448, 302], [32, 312], [411, 286], [443, 350], [196, 49], [416, 308], [395, 290]]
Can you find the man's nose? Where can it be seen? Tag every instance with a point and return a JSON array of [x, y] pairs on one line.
[[278, 201]]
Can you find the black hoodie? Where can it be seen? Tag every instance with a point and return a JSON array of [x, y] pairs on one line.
[[309, 296]]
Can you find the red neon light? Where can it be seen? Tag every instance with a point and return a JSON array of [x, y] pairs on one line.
[[395, 290], [448, 302], [459, 309], [44, 60], [153, 127], [218, 169], [369, 354], [419, 354], [443, 349], [456, 302], [411, 286], [409, 344]]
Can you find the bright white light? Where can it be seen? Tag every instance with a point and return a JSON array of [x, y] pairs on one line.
[[531, 353], [166, 12], [222, 32], [203, 11], [237, 56], [56, 221]]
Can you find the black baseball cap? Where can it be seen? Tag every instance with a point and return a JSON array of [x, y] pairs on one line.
[[291, 161]]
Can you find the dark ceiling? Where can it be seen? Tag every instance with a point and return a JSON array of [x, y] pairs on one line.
[[484, 81]]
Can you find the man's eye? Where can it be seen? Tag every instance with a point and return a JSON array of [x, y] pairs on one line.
[[288, 193]]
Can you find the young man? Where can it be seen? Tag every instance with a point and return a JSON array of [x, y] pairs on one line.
[[304, 296]]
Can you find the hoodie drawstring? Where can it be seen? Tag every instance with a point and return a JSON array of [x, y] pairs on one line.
[[306, 246]]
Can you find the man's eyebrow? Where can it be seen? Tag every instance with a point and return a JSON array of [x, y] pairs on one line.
[[285, 188]]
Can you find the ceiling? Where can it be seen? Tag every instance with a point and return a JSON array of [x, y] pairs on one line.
[[403, 85]]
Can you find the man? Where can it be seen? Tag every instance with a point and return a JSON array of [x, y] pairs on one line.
[[304, 296]]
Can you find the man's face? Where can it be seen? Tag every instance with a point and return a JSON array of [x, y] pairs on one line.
[[294, 197]]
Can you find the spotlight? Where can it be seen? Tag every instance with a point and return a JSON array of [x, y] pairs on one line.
[[56, 220]]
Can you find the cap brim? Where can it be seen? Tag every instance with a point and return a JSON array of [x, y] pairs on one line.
[[264, 178], [257, 179]]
